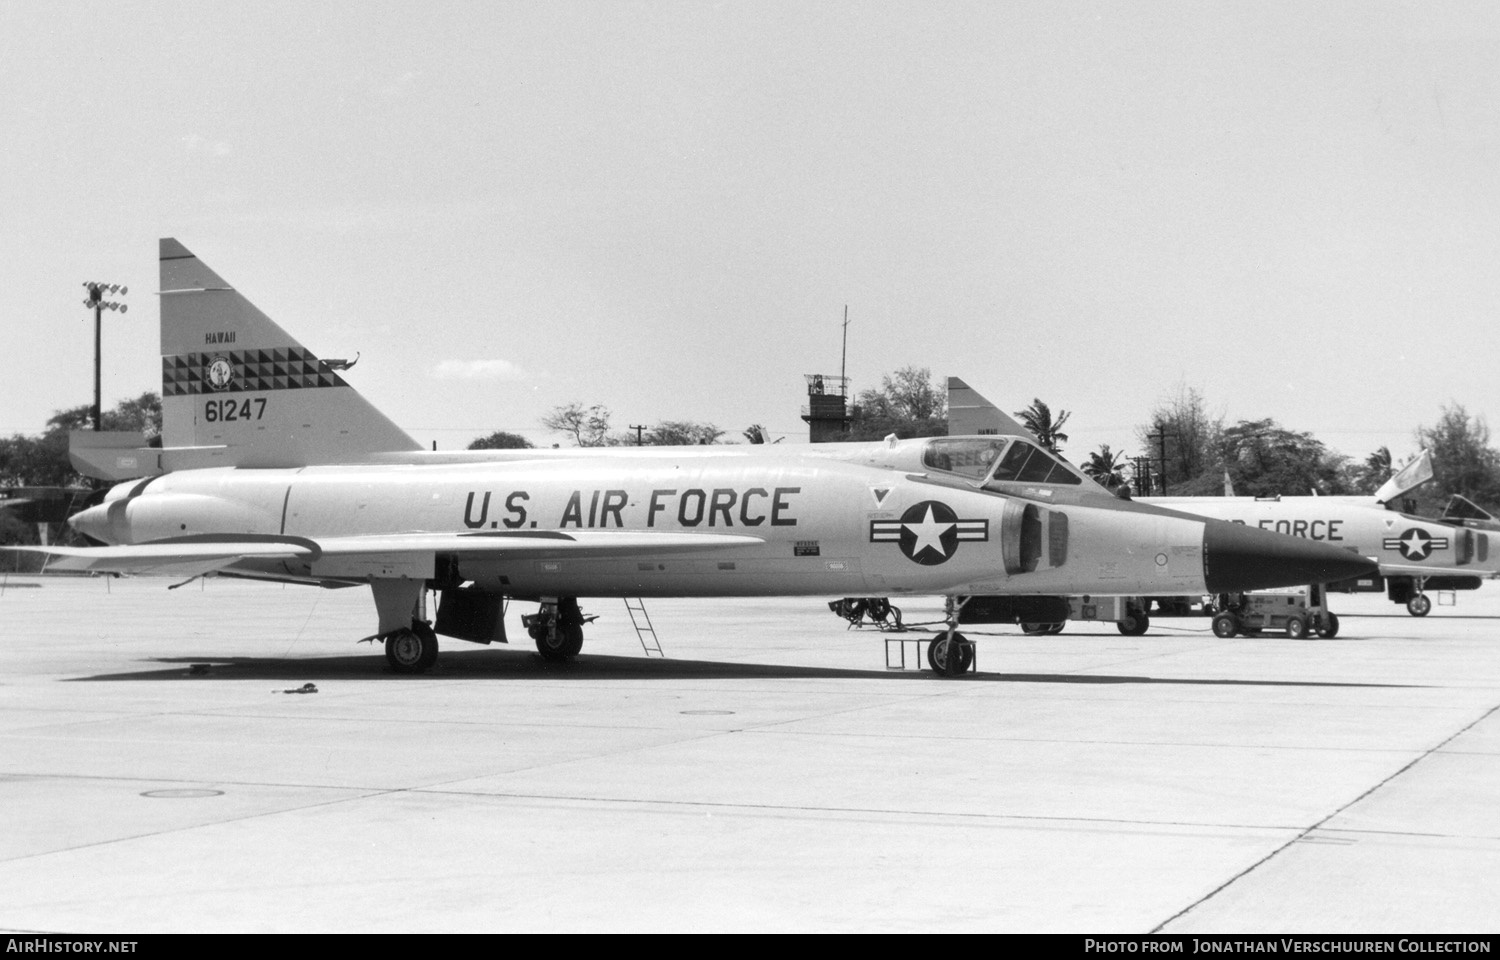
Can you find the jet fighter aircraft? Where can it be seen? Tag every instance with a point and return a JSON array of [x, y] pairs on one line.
[[1415, 554], [273, 467]]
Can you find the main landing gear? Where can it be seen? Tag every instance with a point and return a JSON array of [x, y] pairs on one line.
[[411, 646], [557, 628], [411, 649], [1136, 622]]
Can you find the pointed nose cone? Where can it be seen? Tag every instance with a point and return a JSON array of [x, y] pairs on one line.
[[94, 524], [1237, 557]]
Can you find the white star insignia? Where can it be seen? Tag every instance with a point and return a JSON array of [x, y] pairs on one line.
[[1417, 545], [929, 533]]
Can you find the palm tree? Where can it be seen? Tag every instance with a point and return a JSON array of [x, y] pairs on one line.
[[1038, 419], [1378, 468], [1106, 468]]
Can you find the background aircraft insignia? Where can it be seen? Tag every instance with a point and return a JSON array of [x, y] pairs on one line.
[[1416, 544]]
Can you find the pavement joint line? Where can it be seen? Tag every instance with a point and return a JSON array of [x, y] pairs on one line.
[[999, 818], [777, 727], [243, 818], [1371, 832], [1285, 846], [375, 794], [359, 794], [1165, 744]]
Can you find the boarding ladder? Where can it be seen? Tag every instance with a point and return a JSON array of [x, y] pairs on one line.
[[641, 620]]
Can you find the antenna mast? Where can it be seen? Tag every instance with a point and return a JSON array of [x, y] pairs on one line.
[[844, 356]]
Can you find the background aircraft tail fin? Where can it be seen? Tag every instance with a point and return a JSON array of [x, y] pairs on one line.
[[243, 391], [970, 414]]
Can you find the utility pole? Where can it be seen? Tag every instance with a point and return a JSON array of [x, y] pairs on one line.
[[1160, 436], [637, 428], [844, 354], [98, 304], [1143, 483]]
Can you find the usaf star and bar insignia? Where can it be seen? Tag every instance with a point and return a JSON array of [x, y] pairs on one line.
[[1416, 544], [928, 532]]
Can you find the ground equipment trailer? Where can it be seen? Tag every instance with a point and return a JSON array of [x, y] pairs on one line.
[[1128, 614], [1297, 612]]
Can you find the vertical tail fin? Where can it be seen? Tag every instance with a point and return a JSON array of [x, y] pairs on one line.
[[237, 390], [970, 413]]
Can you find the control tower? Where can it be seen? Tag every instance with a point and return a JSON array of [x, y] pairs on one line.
[[827, 409]]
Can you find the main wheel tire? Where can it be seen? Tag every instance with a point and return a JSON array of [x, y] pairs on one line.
[[1296, 628], [409, 652], [1134, 624], [564, 644], [1034, 629], [429, 639], [940, 660], [1226, 625], [1330, 628], [1057, 627], [1419, 606]]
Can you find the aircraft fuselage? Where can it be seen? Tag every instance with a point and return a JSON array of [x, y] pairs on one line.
[[1401, 543], [821, 528]]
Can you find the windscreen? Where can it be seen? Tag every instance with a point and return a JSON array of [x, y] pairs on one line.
[[1024, 463]]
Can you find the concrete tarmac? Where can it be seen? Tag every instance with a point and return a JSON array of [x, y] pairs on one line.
[[159, 773]]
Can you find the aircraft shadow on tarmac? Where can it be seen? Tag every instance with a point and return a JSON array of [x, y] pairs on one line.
[[525, 665]]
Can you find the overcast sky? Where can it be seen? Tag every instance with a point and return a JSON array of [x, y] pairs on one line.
[[1293, 207]]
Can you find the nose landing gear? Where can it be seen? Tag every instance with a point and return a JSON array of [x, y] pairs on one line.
[[949, 653]]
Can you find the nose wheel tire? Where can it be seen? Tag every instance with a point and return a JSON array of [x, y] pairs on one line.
[[950, 657], [1419, 606]]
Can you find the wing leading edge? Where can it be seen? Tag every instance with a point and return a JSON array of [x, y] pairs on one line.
[[203, 554]]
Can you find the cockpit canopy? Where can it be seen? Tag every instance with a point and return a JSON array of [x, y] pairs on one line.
[[984, 460]]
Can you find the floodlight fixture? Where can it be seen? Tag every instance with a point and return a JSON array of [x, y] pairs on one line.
[[96, 302]]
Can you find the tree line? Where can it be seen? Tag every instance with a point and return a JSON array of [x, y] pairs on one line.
[[1184, 449], [1182, 445], [1192, 452]]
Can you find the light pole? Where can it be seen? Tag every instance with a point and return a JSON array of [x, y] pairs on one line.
[[98, 304]]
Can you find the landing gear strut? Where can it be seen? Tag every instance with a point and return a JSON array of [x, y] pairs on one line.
[[557, 628], [1413, 593], [949, 653]]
